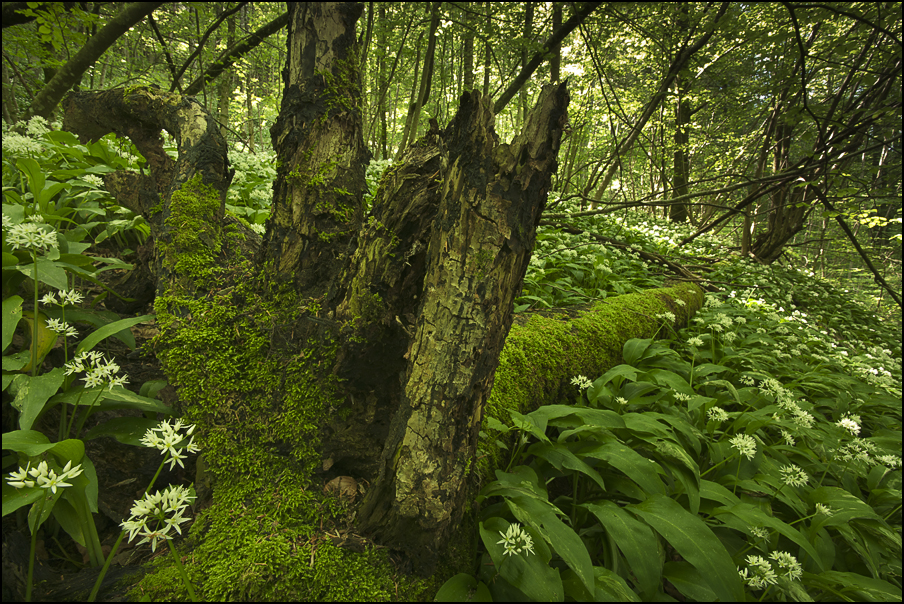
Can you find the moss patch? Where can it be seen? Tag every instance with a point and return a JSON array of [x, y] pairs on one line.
[[541, 355]]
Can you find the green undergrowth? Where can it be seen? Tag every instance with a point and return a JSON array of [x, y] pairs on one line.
[[753, 455]]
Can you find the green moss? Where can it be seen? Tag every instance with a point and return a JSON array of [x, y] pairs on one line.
[[540, 357], [258, 402], [341, 89], [197, 238]]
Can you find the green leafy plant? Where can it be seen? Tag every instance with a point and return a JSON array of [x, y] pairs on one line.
[[754, 455], [37, 255]]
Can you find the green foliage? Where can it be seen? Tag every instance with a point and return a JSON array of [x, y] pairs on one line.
[[374, 173], [644, 482], [51, 174], [250, 195], [44, 221]]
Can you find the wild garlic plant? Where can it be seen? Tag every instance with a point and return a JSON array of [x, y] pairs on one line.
[[743, 463], [46, 478], [154, 515]]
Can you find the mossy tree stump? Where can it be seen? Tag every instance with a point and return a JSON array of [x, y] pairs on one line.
[[346, 342]]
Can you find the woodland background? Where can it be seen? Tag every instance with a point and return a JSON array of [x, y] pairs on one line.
[[717, 114], [753, 149]]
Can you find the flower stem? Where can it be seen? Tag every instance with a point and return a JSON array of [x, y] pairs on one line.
[[737, 478], [122, 534], [106, 567], [191, 589], [34, 330], [714, 467], [34, 543]]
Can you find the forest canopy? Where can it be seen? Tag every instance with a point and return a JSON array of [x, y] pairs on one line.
[[779, 122]]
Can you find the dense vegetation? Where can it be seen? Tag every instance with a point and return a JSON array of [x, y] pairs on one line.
[[755, 454]]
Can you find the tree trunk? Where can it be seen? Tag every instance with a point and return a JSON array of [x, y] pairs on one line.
[[345, 347], [319, 142], [70, 73], [681, 164], [675, 68], [423, 95], [476, 258], [467, 13]]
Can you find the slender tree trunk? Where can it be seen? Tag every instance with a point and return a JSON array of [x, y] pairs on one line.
[[423, 95], [555, 62], [224, 87], [681, 164], [526, 36], [555, 38], [382, 83], [468, 53], [675, 68], [415, 88], [486, 49]]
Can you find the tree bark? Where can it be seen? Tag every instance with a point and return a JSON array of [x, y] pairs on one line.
[[318, 138], [480, 244], [404, 315]]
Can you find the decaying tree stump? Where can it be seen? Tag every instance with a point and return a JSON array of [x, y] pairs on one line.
[[417, 293]]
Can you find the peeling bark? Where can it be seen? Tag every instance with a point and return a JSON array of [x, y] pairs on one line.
[[478, 253]]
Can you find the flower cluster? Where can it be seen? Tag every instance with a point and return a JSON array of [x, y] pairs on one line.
[[70, 297], [168, 438], [99, 370], [851, 424], [515, 540], [793, 476], [581, 382], [44, 476], [166, 507], [761, 574], [61, 327], [31, 236], [717, 414], [746, 445]]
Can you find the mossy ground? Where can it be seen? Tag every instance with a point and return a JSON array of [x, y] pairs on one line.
[[251, 374]]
